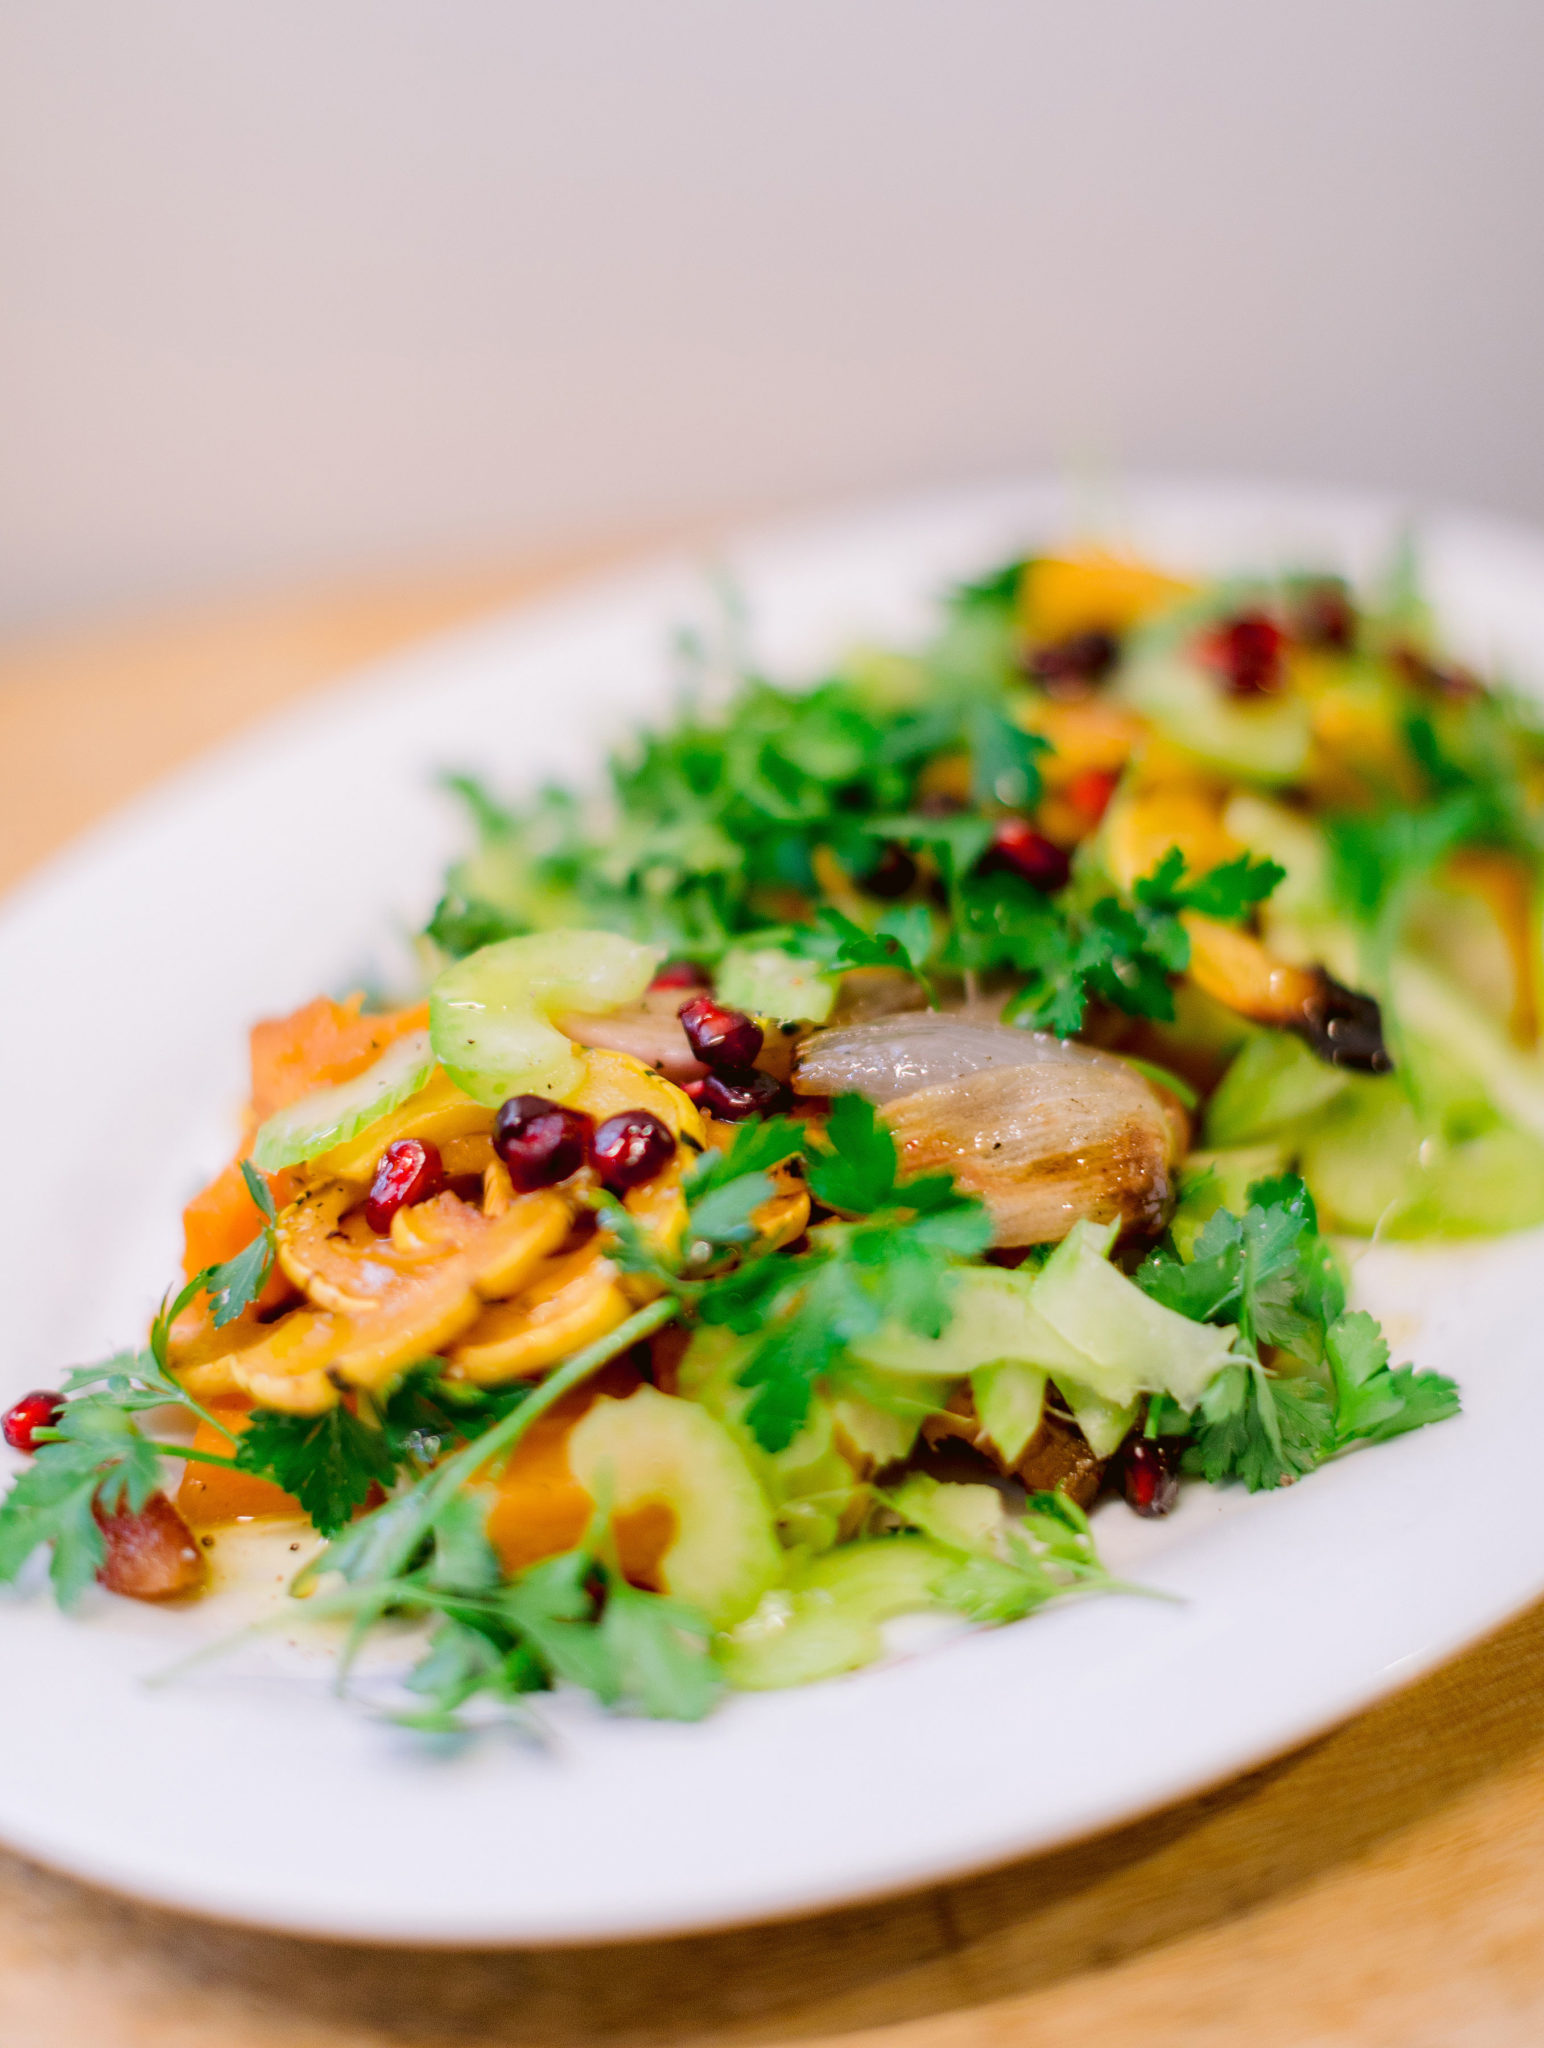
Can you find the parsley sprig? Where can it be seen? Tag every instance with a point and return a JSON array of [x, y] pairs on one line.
[[1270, 1272], [97, 1457], [1124, 953], [886, 1254], [332, 1463]]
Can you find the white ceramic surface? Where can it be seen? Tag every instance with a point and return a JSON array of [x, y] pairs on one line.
[[293, 860]]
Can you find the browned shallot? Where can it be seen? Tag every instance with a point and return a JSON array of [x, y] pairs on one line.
[[1045, 1131]]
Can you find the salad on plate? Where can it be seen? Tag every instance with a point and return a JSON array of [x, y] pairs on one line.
[[887, 1118]]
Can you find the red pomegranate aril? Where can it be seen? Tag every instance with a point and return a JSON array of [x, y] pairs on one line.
[[681, 974], [1019, 849], [720, 1037], [732, 1094], [1246, 651], [40, 1409], [541, 1142], [631, 1148], [1150, 1474], [411, 1170]]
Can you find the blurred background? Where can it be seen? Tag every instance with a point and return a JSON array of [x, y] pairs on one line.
[[320, 288]]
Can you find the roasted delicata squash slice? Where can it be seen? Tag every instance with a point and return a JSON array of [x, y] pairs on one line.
[[572, 1302], [383, 1303], [439, 1114], [615, 1081]]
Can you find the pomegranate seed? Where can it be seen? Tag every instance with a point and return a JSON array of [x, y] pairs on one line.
[[891, 875], [720, 1037], [411, 1170], [681, 974], [1091, 791], [1021, 850], [632, 1148], [1150, 1474], [40, 1409], [1247, 653], [1322, 616], [734, 1093], [1071, 667], [541, 1142]]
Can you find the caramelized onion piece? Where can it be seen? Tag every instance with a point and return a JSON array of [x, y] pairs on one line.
[[151, 1553], [1044, 1131], [649, 1029], [897, 1056]]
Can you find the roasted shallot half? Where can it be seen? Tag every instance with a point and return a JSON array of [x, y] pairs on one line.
[[1044, 1131]]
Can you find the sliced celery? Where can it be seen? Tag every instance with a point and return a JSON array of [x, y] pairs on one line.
[[961, 1516], [828, 1618], [1105, 1424], [1275, 1081], [1264, 742], [771, 983], [1129, 1344], [490, 1014], [994, 1317], [811, 1485], [331, 1116], [1010, 1400], [653, 1450]]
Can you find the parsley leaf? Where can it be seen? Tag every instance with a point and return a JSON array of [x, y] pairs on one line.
[[1263, 1430], [902, 937], [1373, 1403], [332, 1462], [569, 1619], [893, 1260], [328, 1462], [237, 1283], [1228, 891], [1124, 953], [1271, 1272], [97, 1456], [1376, 860]]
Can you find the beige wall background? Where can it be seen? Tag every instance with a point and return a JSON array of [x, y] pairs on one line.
[[294, 288]]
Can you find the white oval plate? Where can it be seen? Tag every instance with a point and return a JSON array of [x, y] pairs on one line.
[[294, 859]]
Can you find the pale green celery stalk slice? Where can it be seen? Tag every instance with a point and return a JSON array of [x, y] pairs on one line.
[[1104, 1424], [490, 1014], [994, 1317], [829, 1617], [1426, 1002], [331, 1116], [1130, 1343], [964, 1515], [1275, 1081], [1265, 741], [1010, 1400], [768, 982]]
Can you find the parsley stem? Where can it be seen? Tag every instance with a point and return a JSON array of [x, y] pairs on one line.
[[214, 1422], [506, 1434], [196, 1457], [408, 1517]]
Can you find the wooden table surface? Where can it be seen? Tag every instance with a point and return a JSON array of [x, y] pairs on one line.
[[1383, 1886]]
